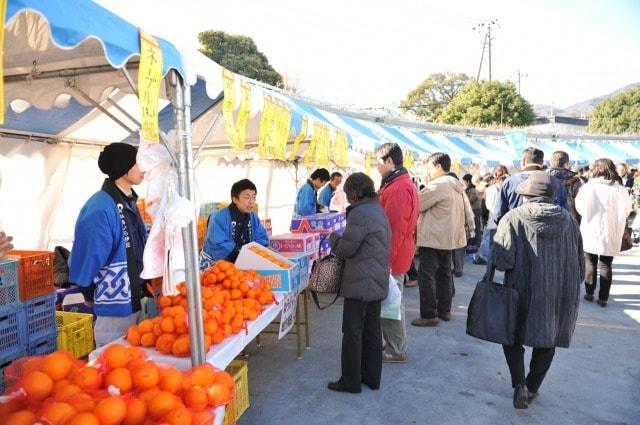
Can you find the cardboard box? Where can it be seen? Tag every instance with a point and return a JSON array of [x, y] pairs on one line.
[[282, 280], [295, 242], [318, 223], [266, 223], [301, 259]]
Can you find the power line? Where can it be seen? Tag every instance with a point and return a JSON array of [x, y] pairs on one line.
[[486, 28]]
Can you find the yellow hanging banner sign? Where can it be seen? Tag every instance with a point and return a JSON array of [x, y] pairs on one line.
[[456, 166], [243, 115], [228, 87], [236, 131], [274, 129], [149, 79], [367, 164], [302, 134], [3, 11], [322, 149], [341, 149], [408, 161]]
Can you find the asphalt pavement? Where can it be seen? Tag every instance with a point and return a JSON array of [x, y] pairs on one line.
[[451, 378]]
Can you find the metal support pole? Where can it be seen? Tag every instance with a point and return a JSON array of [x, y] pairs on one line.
[[182, 117], [102, 109]]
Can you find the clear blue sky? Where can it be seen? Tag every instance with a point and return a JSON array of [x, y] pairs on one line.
[[371, 53]]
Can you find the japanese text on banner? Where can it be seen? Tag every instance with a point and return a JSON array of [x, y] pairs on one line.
[[236, 132], [320, 146], [228, 101], [299, 138], [288, 315], [274, 129], [149, 79], [243, 115], [341, 149], [3, 10]]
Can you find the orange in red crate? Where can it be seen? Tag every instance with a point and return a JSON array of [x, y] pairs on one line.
[[35, 273]]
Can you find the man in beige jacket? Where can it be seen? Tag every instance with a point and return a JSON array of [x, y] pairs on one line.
[[442, 226]]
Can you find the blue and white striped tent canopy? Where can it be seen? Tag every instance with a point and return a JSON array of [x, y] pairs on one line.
[[56, 49], [53, 108]]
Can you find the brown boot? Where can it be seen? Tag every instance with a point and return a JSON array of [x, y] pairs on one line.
[[425, 322], [446, 316]]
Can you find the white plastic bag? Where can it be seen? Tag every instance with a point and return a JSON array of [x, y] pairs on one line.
[[391, 306]]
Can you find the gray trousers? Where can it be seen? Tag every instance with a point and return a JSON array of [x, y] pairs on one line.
[[394, 332], [108, 329]]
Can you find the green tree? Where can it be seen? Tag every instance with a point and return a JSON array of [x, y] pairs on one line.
[[239, 54], [429, 99], [619, 114], [488, 102]]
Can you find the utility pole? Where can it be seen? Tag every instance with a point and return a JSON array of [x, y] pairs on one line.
[[520, 75], [484, 44], [486, 28], [489, 39]]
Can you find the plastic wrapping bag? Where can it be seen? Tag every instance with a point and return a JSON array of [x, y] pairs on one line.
[[164, 251], [391, 306]]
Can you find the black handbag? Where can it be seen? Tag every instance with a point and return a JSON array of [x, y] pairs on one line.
[[492, 313], [325, 278]]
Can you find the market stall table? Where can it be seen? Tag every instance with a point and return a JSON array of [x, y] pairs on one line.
[[219, 355]]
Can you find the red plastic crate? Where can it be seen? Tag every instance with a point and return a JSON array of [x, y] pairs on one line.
[[35, 276]]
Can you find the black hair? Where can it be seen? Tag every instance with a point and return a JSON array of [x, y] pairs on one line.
[[322, 174], [532, 156], [467, 178], [359, 186], [393, 151], [240, 185], [559, 159], [440, 158], [334, 175]]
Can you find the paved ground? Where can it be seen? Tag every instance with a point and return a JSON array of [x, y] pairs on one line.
[[451, 378]]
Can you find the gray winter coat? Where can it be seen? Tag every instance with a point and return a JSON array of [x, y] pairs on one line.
[[364, 246], [540, 248]]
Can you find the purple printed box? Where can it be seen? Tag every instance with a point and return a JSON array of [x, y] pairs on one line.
[[317, 223], [295, 242]]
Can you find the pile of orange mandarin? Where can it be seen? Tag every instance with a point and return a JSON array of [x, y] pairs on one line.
[[123, 387], [230, 297]]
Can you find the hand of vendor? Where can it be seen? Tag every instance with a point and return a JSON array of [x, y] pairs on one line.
[[5, 244]]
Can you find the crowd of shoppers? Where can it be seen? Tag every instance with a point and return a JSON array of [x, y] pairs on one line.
[[546, 228]]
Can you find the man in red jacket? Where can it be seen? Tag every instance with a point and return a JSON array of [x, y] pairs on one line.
[[399, 199]]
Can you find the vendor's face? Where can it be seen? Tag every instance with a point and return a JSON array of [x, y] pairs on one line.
[[335, 182], [134, 176], [317, 183], [245, 201]]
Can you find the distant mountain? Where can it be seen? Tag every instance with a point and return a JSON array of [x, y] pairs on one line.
[[579, 110], [583, 109]]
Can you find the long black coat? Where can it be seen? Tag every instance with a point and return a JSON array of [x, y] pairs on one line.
[[364, 246], [540, 248]]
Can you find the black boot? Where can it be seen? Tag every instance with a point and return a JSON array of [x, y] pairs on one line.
[[340, 386], [520, 397]]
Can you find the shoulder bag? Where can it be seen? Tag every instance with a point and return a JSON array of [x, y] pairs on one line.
[[326, 277], [492, 312]]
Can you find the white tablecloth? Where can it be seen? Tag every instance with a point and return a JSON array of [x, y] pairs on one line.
[[219, 355]]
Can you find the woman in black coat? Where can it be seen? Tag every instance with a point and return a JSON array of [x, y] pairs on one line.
[[364, 246]]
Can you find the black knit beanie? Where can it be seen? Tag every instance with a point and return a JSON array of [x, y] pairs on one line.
[[117, 159]]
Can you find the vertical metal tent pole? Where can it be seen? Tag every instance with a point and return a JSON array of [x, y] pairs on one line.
[[182, 116]]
